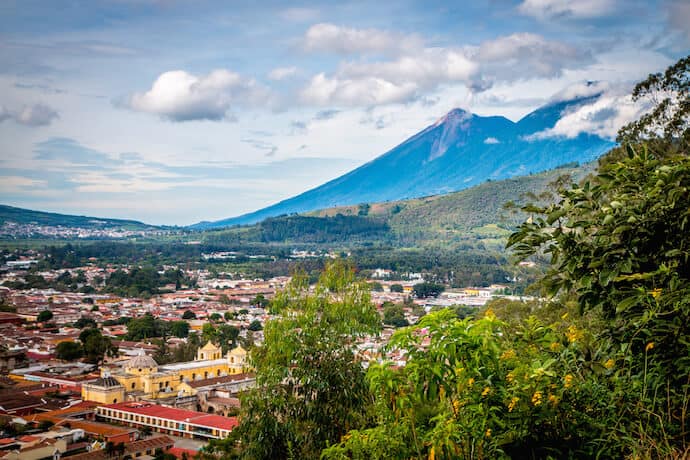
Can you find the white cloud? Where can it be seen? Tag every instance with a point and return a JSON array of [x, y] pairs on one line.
[[180, 96], [366, 91], [281, 73], [491, 140], [523, 56], [30, 115], [409, 76], [331, 38], [575, 9], [581, 89], [602, 117]]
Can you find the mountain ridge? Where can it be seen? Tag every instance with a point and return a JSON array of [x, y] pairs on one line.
[[458, 151], [30, 216]]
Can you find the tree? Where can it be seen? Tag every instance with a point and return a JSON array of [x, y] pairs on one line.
[[146, 327], [227, 335], [215, 317], [669, 94], [188, 314], [179, 328], [255, 325], [44, 316], [394, 315], [209, 333], [312, 389], [69, 351], [618, 244], [260, 301], [376, 286], [95, 345], [229, 316], [397, 288], [83, 322], [427, 289]]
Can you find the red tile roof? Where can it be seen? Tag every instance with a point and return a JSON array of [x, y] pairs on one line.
[[29, 438], [216, 421], [178, 415]]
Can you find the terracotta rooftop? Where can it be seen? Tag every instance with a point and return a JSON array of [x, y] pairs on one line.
[[178, 415], [131, 448]]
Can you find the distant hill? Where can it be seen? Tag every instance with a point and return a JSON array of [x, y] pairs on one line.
[[27, 216], [446, 220], [459, 151]]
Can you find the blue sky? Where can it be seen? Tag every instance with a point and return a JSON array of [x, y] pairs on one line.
[[172, 112]]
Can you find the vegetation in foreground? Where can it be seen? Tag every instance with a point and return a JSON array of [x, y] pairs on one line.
[[601, 370]]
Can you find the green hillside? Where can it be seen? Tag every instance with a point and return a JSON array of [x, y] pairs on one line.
[[448, 220], [478, 210], [27, 216]]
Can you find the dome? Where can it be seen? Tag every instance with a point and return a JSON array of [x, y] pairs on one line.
[[106, 382], [141, 361]]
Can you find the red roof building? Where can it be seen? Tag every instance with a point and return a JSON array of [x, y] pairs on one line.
[[168, 420]]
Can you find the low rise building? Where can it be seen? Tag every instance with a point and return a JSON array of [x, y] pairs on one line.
[[168, 420]]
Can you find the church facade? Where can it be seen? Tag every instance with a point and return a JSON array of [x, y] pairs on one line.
[[142, 377]]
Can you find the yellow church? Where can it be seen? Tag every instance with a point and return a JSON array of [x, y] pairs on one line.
[[142, 377]]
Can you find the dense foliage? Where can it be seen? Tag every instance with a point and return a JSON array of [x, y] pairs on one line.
[[310, 387], [149, 326], [603, 371], [321, 229]]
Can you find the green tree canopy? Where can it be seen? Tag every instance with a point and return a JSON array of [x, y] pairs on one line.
[[95, 345], [619, 245], [312, 388], [45, 315], [69, 351], [179, 328], [427, 289], [396, 288]]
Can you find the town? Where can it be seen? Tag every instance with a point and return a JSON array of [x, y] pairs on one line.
[[98, 357]]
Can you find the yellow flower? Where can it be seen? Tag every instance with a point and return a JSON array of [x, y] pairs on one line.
[[568, 380], [513, 403], [432, 453], [470, 382], [489, 313], [488, 433], [609, 364], [649, 346], [508, 354], [553, 399], [486, 391], [656, 293], [510, 377], [456, 406], [555, 346], [573, 334], [536, 398]]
